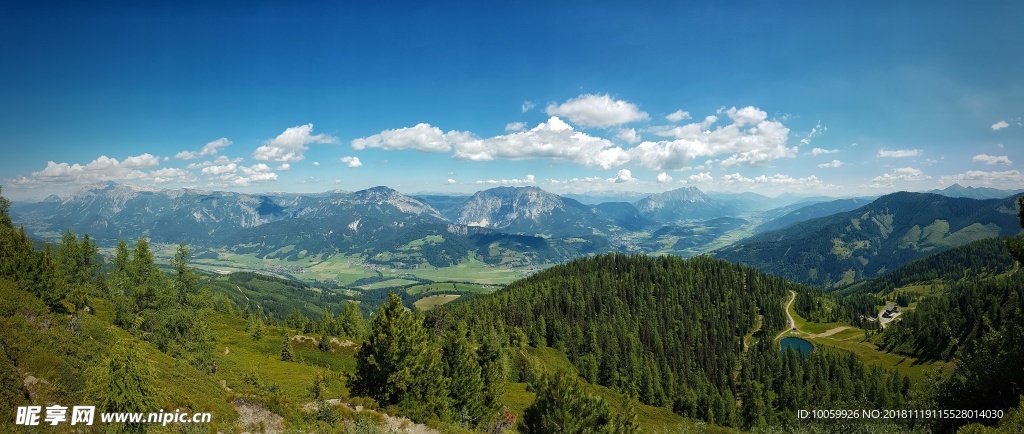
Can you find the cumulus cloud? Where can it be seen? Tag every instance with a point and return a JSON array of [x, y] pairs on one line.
[[756, 145], [211, 148], [140, 161], [597, 111], [451, 181], [1007, 179], [677, 116], [529, 180], [422, 137], [553, 139], [233, 174], [215, 146], [628, 135], [749, 139], [288, 147], [899, 153], [820, 151], [527, 106], [664, 178], [699, 178], [352, 162], [186, 155], [833, 163], [902, 174], [737, 181], [316, 164], [624, 175], [169, 174], [284, 166], [999, 125], [220, 160], [102, 169], [989, 159], [515, 126]]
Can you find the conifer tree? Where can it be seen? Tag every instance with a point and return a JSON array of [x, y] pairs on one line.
[[398, 364], [562, 406], [467, 387], [124, 382], [286, 350]]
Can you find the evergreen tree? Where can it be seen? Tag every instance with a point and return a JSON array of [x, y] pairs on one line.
[[562, 406], [398, 364], [286, 350], [351, 321], [325, 343], [124, 382], [467, 387]]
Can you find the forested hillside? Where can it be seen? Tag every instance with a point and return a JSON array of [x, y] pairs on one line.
[[671, 332], [872, 240]]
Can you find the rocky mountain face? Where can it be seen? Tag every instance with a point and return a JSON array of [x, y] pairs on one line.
[[530, 210], [681, 204]]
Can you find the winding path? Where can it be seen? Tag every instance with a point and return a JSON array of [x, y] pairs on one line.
[[792, 322]]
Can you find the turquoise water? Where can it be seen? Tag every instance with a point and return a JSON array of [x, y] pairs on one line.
[[804, 347]]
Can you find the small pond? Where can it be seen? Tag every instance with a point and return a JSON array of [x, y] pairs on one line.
[[801, 345]]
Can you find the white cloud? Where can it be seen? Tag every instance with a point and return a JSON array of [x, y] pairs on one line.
[[515, 126], [140, 161], [211, 148], [288, 147], [816, 131], [819, 151], [756, 145], [677, 116], [227, 174], [422, 137], [833, 163], [1008, 179], [529, 180], [664, 178], [628, 135], [999, 125], [749, 115], [316, 164], [527, 106], [169, 174], [452, 181], [700, 178], [902, 174], [219, 171], [284, 166], [553, 139], [737, 181], [899, 153], [352, 162], [989, 159], [597, 111], [215, 146], [624, 175], [220, 160]]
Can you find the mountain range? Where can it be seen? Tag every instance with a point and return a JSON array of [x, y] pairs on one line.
[[811, 241]]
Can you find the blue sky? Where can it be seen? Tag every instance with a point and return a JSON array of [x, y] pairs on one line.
[[839, 99]]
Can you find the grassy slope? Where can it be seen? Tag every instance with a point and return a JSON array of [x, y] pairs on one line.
[[853, 339]]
